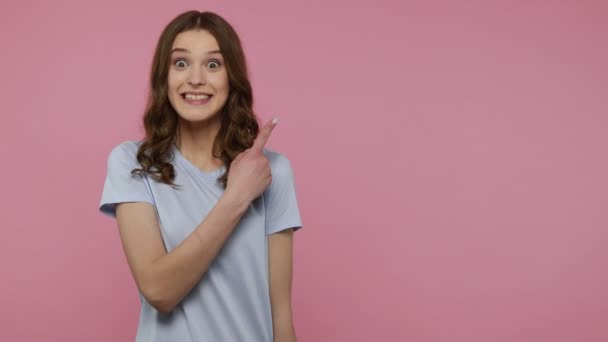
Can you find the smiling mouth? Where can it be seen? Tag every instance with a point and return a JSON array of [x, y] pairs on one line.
[[196, 99], [191, 96]]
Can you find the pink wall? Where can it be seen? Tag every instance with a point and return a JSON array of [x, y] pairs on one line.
[[450, 160]]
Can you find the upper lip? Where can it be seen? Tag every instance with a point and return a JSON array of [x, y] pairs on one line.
[[195, 93]]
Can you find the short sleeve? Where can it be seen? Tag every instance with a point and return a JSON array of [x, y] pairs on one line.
[[280, 198], [120, 185]]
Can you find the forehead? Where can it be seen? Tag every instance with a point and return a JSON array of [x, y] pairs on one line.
[[198, 42]]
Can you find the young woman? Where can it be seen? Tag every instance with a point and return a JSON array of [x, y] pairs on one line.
[[206, 213]]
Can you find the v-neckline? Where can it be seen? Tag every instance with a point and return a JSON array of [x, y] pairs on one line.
[[209, 174]]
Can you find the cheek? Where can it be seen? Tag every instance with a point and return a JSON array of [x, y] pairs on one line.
[[221, 82], [173, 80]]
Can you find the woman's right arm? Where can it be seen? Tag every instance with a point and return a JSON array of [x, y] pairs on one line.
[[166, 278]]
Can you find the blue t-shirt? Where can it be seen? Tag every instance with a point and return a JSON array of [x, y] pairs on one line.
[[231, 302]]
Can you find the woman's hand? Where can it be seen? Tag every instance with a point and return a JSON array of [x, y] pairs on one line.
[[249, 173]]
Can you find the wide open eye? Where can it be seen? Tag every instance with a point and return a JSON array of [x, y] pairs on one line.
[[180, 63], [215, 62]]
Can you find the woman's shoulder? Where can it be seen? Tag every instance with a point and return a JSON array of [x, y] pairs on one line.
[[275, 156], [127, 147], [279, 163], [125, 151]]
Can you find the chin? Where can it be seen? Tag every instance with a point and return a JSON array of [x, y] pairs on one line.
[[194, 117]]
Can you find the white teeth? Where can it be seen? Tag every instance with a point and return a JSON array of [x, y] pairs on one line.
[[196, 97]]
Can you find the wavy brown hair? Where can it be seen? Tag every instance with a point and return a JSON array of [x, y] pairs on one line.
[[239, 126]]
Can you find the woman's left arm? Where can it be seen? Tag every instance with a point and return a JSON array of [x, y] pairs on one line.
[[280, 256]]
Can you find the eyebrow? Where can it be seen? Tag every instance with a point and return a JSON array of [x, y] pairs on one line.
[[186, 50]]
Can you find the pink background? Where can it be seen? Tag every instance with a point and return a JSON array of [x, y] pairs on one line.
[[450, 160]]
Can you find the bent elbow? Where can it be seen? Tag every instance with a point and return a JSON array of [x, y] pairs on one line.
[[163, 307], [159, 301]]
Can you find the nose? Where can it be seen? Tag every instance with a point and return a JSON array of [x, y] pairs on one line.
[[197, 77]]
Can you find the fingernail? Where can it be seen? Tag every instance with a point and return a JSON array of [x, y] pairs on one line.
[[275, 120]]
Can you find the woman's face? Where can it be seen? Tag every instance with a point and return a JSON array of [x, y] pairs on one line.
[[197, 71]]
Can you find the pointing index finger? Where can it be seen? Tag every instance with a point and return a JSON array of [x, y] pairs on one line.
[[263, 135]]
